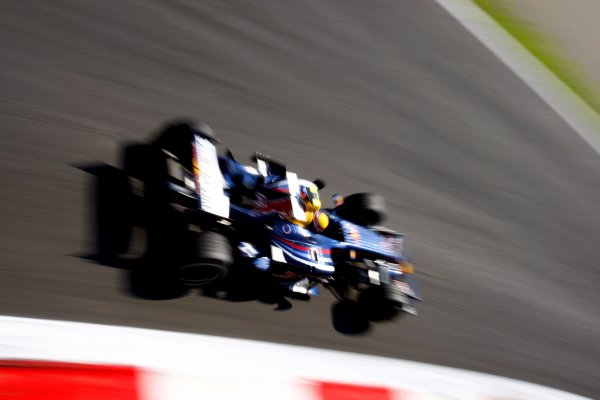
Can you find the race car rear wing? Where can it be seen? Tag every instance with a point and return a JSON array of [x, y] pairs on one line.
[[209, 179]]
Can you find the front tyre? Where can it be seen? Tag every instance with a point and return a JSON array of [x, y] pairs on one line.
[[363, 209], [376, 305]]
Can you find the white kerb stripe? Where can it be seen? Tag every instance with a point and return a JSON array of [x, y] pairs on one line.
[[197, 360]]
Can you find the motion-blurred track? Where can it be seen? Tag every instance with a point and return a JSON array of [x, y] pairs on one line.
[[500, 198]]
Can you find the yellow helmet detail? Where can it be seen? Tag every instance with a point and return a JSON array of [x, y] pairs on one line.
[[321, 221], [314, 204], [309, 195], [309, 216]]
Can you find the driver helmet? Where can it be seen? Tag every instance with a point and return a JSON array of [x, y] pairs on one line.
[[309, 197]]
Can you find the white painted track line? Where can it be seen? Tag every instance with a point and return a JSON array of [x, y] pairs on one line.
[[568, 105]]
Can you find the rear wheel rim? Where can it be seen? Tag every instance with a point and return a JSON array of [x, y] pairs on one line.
[[200, 274]]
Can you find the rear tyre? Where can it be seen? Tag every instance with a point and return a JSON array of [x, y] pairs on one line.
[[113, 214], [161, 221], [363, 208], [138, 160], [210, 263], [177, 138]]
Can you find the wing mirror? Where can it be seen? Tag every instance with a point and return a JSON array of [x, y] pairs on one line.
[[320, 183], [337, 200]]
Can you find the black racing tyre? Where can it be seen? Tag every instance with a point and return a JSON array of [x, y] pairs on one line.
[[376, 305], [363, 208], [140, 160], [177, 137], [210, 261], [349, 318], [113, 214], [160, 220], [214, 246]]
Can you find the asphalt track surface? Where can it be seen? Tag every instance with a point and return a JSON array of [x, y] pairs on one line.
[[498, 196]]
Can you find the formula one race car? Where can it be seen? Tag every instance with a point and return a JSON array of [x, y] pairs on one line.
[[212, 214]]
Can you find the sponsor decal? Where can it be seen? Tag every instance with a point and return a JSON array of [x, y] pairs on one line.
[[286, 228], [354, 234]]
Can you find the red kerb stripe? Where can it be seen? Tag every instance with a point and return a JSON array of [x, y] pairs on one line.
[[340, 391], [28, 380]]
